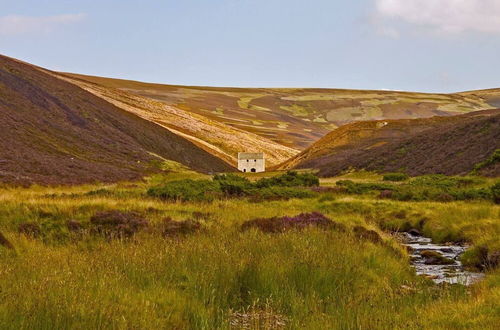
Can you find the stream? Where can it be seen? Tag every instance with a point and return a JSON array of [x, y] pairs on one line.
[[441, 263]]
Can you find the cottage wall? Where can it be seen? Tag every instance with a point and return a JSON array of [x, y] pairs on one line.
[[247, 163]]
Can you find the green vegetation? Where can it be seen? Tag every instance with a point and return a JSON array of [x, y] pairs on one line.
[[395, 177], [495, 191], [493, 159], [118, 257], [427, 188], [284, 186]]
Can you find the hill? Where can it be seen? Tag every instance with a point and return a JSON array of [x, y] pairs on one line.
[[217, 138], [54, 132], [297, 117], [447, 145]]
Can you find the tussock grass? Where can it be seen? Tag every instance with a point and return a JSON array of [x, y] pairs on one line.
[[313, 278]]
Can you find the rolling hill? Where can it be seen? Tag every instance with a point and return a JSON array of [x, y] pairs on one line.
[[71, 128], [448, 145], [54, 132], [219, 139], [298, 117]]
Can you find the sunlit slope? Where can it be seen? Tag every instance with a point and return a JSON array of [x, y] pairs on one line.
[[447, 145], [53, 132], [490, 96], [298, 117], [219, 139]]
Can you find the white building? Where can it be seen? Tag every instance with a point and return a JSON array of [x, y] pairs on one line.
[[251, 162]]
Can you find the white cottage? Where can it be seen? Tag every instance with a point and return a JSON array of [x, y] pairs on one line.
[[251, 162]]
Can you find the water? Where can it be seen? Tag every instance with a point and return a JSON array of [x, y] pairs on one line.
[[452, 273]]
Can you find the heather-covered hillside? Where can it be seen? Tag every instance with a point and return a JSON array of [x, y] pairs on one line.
[[53, 132], [446, 145]]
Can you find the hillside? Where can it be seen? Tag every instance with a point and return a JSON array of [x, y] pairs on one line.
[[53, 132], [448, 145], [219, 139], [298, 117]]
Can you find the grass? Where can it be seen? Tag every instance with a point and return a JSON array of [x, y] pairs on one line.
[[221, 276]]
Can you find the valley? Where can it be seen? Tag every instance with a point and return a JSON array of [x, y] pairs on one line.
[[121, 207]]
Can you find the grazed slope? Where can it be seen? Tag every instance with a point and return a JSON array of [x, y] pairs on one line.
[[54, 132], [447, 145], [298, 117], [221, 140]]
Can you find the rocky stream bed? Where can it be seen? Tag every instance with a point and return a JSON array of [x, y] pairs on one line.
[[441, 263]]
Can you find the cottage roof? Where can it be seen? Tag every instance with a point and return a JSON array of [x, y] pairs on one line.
[[250, 155]]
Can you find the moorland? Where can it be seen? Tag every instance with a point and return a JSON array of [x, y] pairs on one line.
[[121, 207], [185, 250]]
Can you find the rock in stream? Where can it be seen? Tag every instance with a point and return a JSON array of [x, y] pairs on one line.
[[441, 263]]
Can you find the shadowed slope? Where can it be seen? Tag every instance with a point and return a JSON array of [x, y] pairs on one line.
[[448, 145], [297, 117], [54, 132]]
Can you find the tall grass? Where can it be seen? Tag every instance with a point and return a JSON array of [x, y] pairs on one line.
[[318, 279]]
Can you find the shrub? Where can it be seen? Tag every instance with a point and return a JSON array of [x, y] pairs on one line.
[[30, 229], [289, 179], [495, 192], [470, 194], [229, 185], [173, 228], [443, 181], [301, 221], [233, 185], [395, 177], [117, 224], [493, 159], [186, 190]]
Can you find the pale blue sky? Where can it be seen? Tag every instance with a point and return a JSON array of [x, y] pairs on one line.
[[418, 45]]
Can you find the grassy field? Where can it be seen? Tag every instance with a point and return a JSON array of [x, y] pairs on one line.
[[223, 277]]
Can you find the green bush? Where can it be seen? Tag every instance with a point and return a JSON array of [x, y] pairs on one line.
[[187, 190], [230, 185], [439, 188], [443, 181], [495, 192], [289, 179], [233, 185], [395, 177]]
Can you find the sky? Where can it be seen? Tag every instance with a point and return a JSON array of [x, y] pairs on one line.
[[413, 45]]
